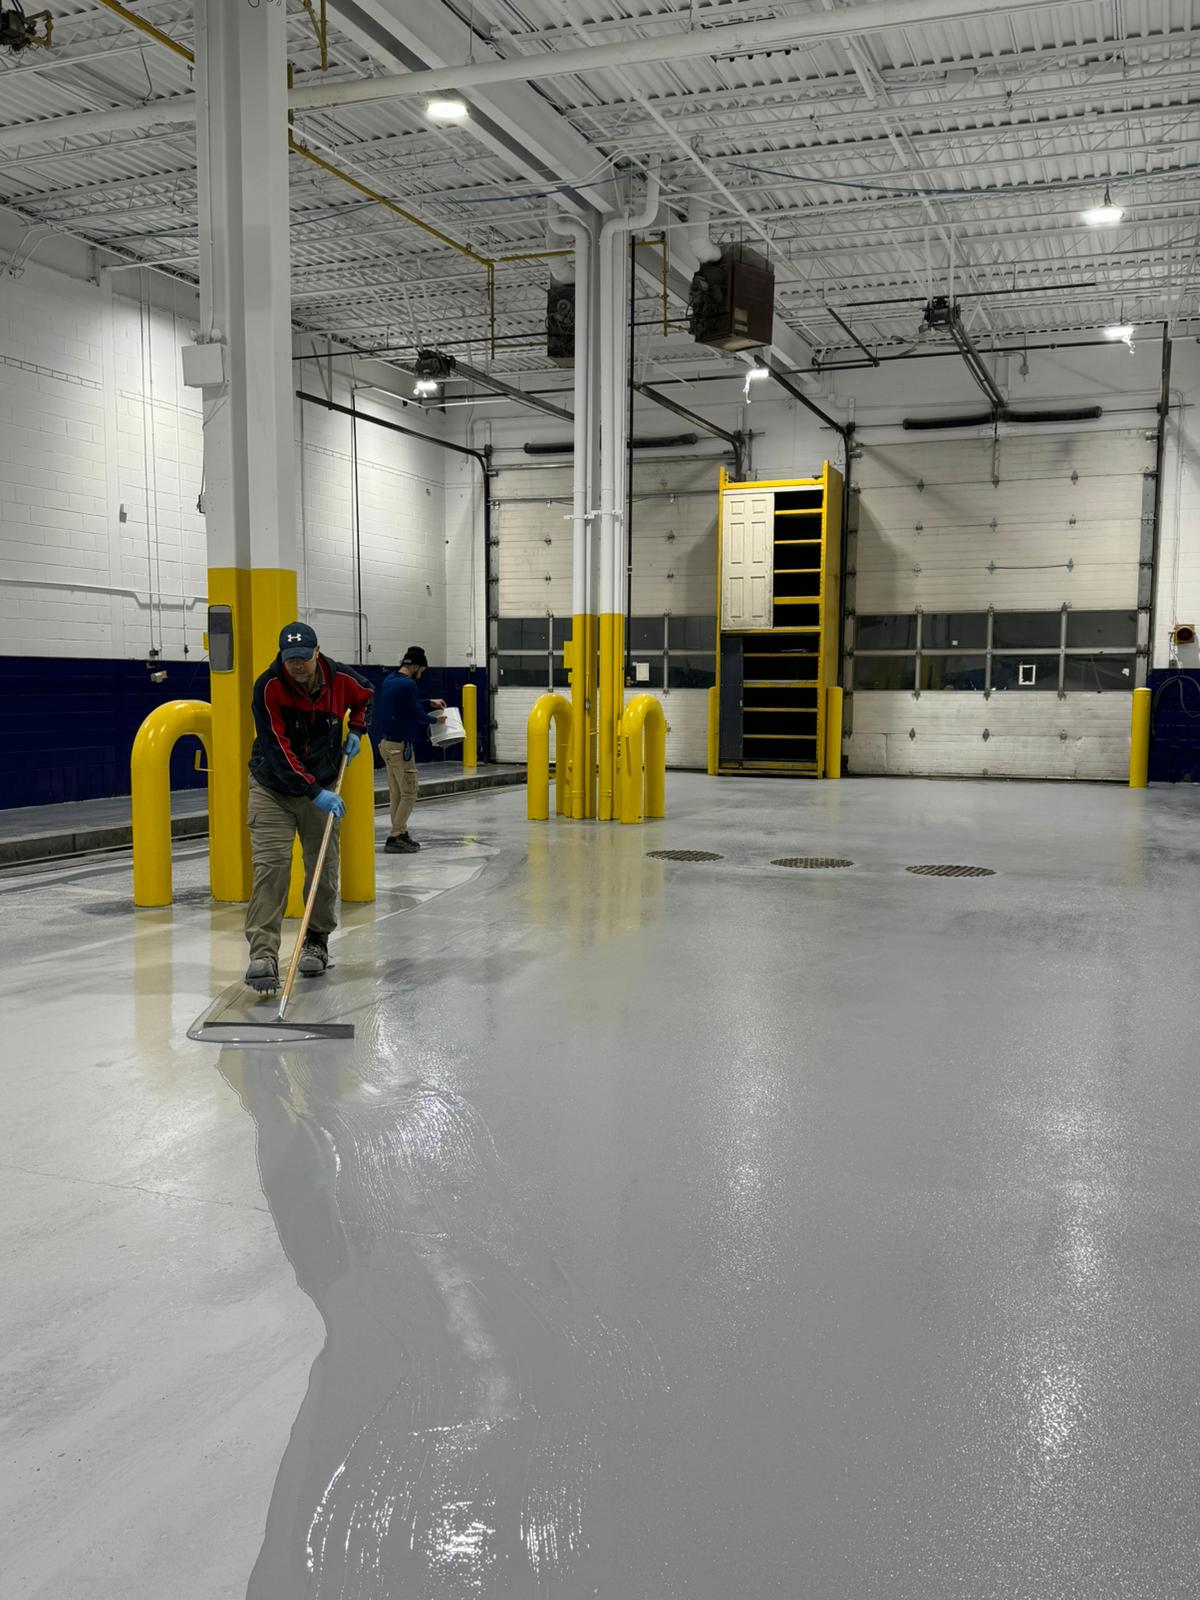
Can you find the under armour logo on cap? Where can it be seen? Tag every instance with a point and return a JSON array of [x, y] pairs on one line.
[[297, 640]]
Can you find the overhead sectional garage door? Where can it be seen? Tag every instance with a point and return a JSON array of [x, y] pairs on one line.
[[997, 610], [672, 632]]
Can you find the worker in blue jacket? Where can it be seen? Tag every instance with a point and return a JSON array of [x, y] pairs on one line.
[[403, 718]]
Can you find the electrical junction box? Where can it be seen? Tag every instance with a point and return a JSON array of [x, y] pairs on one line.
[[732, 301], [203, 365], [641, 672]]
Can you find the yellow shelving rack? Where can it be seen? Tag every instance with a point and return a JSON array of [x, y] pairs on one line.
[[779, 547]]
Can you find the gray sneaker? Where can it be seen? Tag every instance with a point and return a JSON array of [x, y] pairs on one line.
[[262, 975], [314, 957]]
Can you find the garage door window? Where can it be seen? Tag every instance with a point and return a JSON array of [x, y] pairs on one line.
[[1074, 652], [672, 652]]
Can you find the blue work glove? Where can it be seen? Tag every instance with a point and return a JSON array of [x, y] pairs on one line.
[[351, 747], [330, 804]]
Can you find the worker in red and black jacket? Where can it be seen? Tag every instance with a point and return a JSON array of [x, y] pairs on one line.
[[299, 704]]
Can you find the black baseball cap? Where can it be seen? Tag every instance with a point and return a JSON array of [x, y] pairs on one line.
[[297, 641]]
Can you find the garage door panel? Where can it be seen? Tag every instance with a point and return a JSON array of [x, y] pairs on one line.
[[1029, 735], [1012, 506], [1068, 530]]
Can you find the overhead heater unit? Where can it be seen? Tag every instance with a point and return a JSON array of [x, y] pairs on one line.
[[732, 303], [560, 324]]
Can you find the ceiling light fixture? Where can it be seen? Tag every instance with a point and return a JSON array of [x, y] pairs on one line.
[[1104, 215], [753, 375], [449, 109], [1120, 333]]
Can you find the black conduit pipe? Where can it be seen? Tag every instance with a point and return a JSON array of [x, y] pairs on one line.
[[566, 447], [984, 419], [481, 459]]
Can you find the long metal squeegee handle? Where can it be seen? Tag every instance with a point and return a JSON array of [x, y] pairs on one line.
[[309, 903]]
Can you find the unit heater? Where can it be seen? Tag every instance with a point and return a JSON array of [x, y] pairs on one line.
[[560, 324], [732, 303]]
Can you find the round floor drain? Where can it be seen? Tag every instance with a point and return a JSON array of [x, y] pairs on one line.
[[951, 872], [811, 861], [684, 855]]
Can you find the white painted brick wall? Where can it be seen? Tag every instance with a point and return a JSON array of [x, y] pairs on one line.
[[102, 548]]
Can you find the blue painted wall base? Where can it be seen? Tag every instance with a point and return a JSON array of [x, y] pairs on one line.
[[67, 726], [1175, 726]]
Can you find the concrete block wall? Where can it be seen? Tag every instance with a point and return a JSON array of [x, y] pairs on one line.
[[102, 544]]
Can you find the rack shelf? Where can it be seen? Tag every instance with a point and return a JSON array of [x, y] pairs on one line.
[[779, 611]]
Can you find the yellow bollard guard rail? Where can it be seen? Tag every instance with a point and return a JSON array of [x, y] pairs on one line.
[[556, 709], [356, 838], [1139, 740], [643, 727], [833, 732], [150, 786], [470, 714], [714, 725]]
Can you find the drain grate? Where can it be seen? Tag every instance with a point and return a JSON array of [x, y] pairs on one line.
[[684, 855], [811, 861], [951, 872]]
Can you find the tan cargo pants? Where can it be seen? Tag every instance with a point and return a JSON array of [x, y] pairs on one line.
[[402, 782], [275, 820]]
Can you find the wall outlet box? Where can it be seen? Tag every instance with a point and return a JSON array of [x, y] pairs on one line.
[[203, 366], [641, 672]]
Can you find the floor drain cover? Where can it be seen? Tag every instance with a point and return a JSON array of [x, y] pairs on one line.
[[951, 872], [811, 861], [684, 855]]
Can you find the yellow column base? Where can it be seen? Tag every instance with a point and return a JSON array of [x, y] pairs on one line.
[[610, 707], [833, 733]]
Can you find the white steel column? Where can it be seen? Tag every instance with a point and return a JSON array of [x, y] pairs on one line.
[[249, 453]]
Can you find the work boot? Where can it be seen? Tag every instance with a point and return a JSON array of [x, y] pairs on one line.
[[399, 844], [262, 975], [314, 957]]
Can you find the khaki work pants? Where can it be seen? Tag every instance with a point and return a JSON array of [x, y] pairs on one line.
[[275, 820], [402, 782]]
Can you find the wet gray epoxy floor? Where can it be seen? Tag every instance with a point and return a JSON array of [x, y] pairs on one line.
[[668, 1232]]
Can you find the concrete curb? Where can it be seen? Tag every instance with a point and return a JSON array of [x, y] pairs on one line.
[[56, 843]]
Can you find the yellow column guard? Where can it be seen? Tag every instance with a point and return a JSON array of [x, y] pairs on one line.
[[644, 724], [150, 785], [547, 709], [470, 715], [1139, 740], [358, 826], [833, 732], [714, 723]]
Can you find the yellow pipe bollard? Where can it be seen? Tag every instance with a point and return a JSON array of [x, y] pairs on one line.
[[470, 714], [150, 793], [714, 725], [643, 726], [833, 732], [295, 899], [556, 709], [1139, 740], [358, 827]]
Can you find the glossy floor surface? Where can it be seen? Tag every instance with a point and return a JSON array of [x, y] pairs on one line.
[[669, 1230]]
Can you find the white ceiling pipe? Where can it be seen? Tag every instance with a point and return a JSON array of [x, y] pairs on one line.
[[704, 44], [177, 111]]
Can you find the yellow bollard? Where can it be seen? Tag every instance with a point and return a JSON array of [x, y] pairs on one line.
[[643, 726], [547, 709], [714, 724], [150, 793], [469, 715], [358, 827], [295, 899], [833, 732], [1139, 740]]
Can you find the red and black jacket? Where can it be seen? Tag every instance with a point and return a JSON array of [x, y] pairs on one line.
[[298, 736]]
